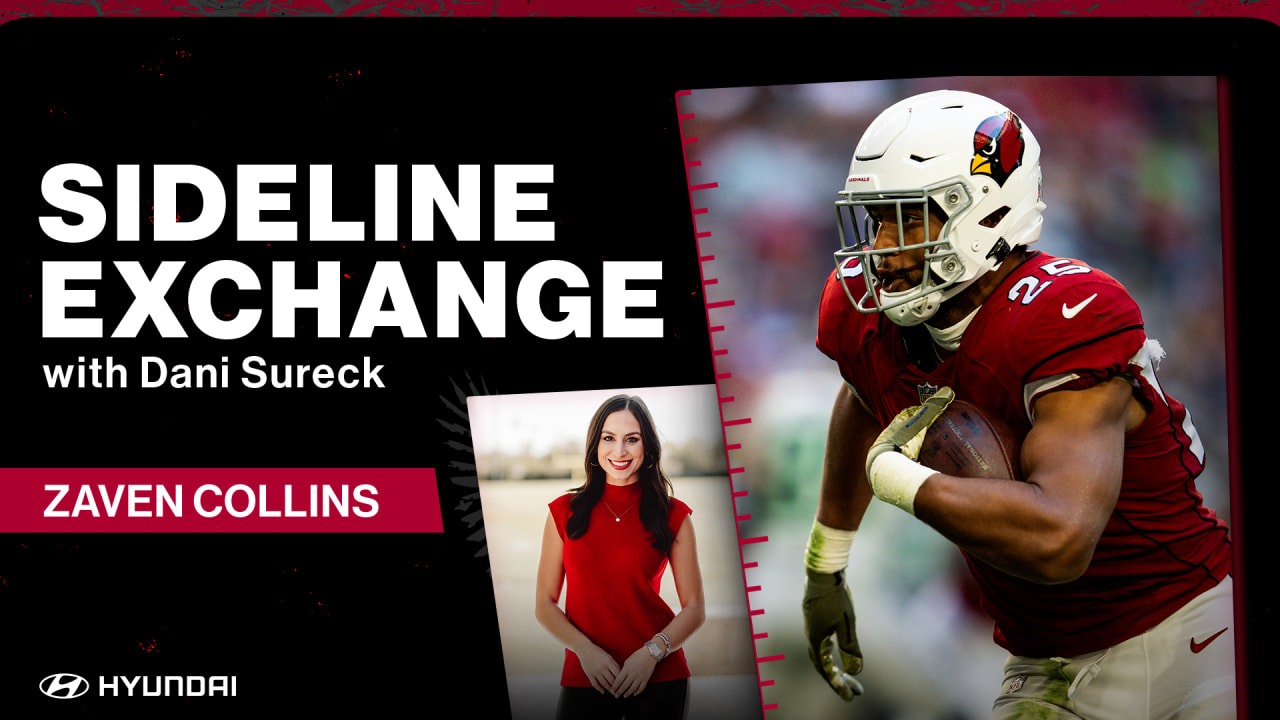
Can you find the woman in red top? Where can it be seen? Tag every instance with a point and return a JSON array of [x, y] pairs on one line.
[[612, 539]]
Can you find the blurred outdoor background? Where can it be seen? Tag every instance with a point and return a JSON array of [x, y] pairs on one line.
[[1131, 183], [529, 450]]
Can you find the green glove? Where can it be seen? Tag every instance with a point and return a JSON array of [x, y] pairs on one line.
[[906, 433], [828, 624]]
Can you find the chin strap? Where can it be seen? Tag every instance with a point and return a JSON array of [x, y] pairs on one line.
[[1000, 250]]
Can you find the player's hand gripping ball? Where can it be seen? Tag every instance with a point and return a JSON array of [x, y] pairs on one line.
[[892, 470], [907, 431], [829, 627]]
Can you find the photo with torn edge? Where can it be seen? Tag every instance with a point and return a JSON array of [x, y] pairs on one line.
[[660, 625], [1130, 186]]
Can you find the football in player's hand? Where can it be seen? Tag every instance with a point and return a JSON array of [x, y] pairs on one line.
[[966, 442]]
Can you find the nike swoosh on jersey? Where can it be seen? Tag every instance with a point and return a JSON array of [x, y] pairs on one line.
[[1070, 312], [1198, 646]]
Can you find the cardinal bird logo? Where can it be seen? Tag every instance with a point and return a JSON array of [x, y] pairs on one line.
[[997, 147]]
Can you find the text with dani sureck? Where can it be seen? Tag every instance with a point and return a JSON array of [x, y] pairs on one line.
[[252, 372]]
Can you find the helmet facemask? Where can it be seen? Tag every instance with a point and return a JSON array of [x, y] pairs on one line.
[[943, 274]]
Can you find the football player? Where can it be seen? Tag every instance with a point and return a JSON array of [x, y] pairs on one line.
[[1107, 577]]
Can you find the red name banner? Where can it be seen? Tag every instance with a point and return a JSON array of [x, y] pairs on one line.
[[215, 500]]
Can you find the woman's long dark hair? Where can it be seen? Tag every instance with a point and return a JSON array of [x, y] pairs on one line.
[[655, 486]]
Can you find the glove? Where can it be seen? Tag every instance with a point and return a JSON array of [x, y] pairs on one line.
[[828, 624], [906, 433], [896, 477]]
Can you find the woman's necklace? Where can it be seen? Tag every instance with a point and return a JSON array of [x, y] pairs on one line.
[[616, 516]]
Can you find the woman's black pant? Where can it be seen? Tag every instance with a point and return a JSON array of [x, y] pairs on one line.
[[667, 700]]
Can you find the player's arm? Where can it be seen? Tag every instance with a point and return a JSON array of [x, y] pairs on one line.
[[844, 495], [842, 501], [1045, 529], [600, 667], [687, 576]]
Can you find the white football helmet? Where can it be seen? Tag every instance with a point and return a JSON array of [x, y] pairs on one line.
[[969, 158]]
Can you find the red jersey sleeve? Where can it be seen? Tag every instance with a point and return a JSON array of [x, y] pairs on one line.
[[841, 328], [829, 317], [1073, 327]]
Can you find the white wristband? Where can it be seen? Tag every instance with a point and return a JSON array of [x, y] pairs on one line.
[[896, 478], [828, 548]]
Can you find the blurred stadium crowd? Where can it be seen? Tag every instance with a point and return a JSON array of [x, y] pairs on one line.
[[1131, 186]]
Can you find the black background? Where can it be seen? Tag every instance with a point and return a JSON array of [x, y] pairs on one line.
[[324, 623]]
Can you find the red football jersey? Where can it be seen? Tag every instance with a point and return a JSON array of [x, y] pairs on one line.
[[1059, 324]]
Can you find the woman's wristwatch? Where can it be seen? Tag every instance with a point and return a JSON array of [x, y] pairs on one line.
[[657, 652]]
